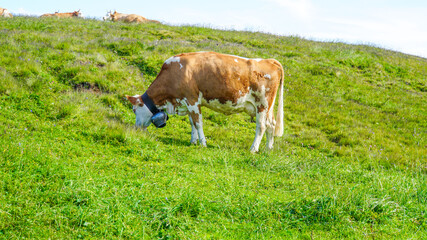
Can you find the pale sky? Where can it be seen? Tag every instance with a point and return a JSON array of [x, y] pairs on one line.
[[399, 25]]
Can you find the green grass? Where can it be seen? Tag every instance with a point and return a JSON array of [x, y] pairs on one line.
[[352, 163]]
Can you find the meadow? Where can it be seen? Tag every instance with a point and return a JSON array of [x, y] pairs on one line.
[[352, 163]]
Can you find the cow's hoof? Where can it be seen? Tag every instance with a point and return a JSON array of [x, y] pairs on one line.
[[253, 150]]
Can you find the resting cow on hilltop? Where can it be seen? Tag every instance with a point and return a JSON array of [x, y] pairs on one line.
[[127, 18], [5, 13], [224, 83], [63, 15]]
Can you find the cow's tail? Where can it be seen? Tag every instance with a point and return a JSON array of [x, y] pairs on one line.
[[278, 131]]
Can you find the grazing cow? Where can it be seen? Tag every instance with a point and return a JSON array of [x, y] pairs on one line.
[[5, 13], [224, 83], [127, 18], [64, 15]]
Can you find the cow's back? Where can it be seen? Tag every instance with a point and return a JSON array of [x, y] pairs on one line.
[[135, 18], [64, 15]]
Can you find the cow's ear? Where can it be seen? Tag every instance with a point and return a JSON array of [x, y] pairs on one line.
[[135, 100]]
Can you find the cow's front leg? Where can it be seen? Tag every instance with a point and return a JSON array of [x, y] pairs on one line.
[[261, 118], [194, 134], [198, 123]]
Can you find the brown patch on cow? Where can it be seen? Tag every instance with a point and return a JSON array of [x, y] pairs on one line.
[[256, 97], [195, 117], [261, 108]]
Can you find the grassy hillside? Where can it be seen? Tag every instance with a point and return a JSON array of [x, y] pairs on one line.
[[352, 163]]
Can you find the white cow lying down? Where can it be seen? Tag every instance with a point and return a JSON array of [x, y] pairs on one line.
[[224, 83]]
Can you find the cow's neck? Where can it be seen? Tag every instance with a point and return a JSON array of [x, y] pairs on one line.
[[160, 95]]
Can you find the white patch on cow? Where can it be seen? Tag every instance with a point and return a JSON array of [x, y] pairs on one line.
[[138, 99], [260, 129], [108, 17], [264, 121], [143, 116], [268, 76], [194, 132], [180, 66], [170, 108], [194, 108], [236, 60], [199, 127], [172, 59], [246, 103], [181, 108], [196, 127], [262, 97], [257, 59]]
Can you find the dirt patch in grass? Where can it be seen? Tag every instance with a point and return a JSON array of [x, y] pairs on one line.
[[85, 86]]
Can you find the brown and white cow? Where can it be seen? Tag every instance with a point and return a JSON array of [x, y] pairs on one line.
[[127, 18], [64, 15], [5, 13], [224, 83]]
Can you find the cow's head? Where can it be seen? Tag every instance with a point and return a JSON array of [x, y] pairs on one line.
[[114, 16], [142, 113], [77, 13], [108, 16]]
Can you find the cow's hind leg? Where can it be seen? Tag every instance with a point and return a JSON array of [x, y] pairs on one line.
[[270, 125], [261, 119], [194, 133]]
